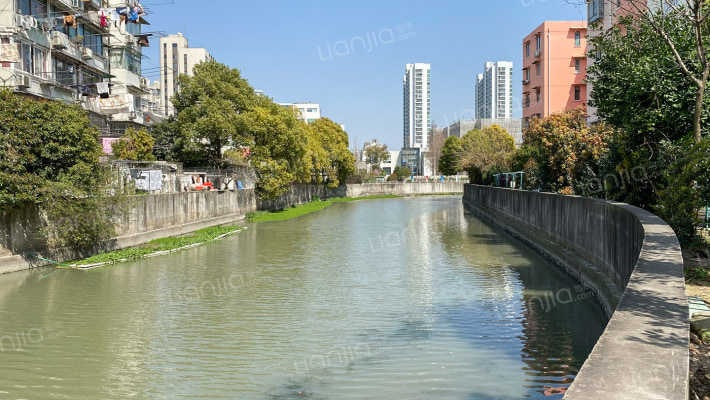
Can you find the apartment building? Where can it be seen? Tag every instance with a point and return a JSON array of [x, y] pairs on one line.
[[494, 90], [416, 93], [83, 52], [177, 57], [554, 68]]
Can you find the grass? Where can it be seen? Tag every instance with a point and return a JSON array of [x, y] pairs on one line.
[[163, 244], [288, 213]]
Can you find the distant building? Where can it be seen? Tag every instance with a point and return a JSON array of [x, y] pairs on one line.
[[554, 68], [307, 112], [417, 105], [494, 91], [176, 57]]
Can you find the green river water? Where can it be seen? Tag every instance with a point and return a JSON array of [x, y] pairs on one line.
[[381, 299]]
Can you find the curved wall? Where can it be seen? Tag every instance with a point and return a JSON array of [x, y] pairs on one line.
[[632, 261]]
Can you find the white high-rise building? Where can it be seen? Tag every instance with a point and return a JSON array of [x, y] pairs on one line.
[[494, 91], [176, 58], [417, 105]]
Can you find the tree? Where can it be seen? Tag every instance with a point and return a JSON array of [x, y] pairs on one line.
[[333, 142], [638, 88], [437, 138], [486, 149], [450, 160], [136, 145], [376, 153], [561, 153], [209, 105], [49, 163], [402, 173], [682, 27], [45, 146]]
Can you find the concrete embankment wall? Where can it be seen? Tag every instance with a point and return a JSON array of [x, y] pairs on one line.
[[162, 215], [632, 261], [403, 189]]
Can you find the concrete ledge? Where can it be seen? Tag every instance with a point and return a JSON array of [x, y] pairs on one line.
[[609, 247]]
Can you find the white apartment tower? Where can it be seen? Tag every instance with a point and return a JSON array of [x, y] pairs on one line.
[[177, 58], [417, 105], [494, 91]]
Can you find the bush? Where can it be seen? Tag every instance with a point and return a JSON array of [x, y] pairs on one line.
[[353, 180]]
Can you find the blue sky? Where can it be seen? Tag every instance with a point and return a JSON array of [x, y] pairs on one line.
[[294, 50]]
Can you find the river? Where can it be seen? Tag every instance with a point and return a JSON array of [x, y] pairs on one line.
[[408, 298]]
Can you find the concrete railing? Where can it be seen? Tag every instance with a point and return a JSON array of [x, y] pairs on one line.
[[632, 261]]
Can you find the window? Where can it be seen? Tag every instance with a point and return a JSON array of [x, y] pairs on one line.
[[527, 100], [92, 40], [537, 39], [577, 93], [537, 69], [527, 74], [594, 9], [537, 95], [577, 65], [64, 72], [577, 39], [31, 7], [312, 110], [527, 49]]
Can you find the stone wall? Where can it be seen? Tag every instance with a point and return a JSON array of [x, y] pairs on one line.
[[631, 260]]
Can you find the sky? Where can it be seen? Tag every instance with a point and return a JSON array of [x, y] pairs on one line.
[[312, 50]]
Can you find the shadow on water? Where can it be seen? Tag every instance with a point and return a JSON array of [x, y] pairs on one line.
[[553, 323]]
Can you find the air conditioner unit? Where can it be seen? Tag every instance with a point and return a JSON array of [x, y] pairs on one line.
[[537, 53], [59, 40], [87, 53], [24, 82]]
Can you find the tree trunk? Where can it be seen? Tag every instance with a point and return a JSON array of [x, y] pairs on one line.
[[698, 110]]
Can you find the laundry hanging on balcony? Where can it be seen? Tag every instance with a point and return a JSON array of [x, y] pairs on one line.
[[70, 21], [102, 88]]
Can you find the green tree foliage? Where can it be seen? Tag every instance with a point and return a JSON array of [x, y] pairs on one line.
[[333, 142], [402, 173], [376, 154], [217, 109], [49, 162], [450, 160], [561, 153], [45, 146], [687, 186], [485, 151], [136, 145], [638, 87]]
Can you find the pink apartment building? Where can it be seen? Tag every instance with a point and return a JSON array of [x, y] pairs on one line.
[[554, 68]]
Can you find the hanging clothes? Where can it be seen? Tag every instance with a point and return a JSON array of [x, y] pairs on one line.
[[102, 89], [69, 21], [103, 20], [143, 40]]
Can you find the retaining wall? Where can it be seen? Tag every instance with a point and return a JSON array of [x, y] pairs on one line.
[[403, 189], [632, 261]]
